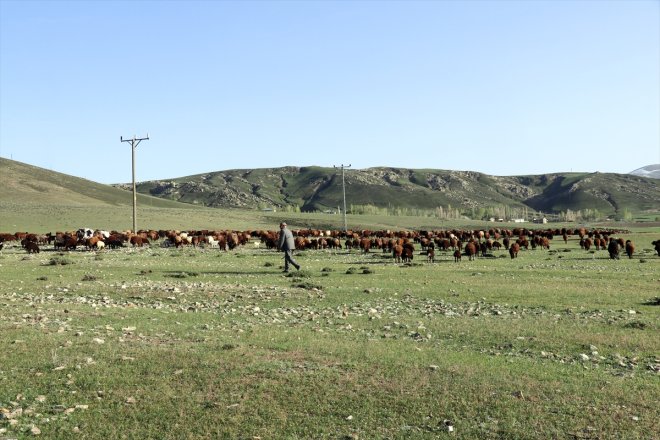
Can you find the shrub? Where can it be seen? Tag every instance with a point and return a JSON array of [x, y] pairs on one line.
[[59, 261]]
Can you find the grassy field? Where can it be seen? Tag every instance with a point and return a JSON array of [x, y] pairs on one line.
[[159, 343]]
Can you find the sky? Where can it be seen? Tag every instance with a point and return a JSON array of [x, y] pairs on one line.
[[500, 87]]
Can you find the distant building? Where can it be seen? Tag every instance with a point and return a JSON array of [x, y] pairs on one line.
[[519, 220]]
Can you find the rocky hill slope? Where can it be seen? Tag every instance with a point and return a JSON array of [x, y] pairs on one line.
[[317, 188]]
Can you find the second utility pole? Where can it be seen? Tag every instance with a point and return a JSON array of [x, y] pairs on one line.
[[134, 143], [343, 188]]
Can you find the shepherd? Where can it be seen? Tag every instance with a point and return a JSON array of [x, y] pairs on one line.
[[286, 244]]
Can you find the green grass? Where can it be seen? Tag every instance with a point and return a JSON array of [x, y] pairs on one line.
[[196, 343]]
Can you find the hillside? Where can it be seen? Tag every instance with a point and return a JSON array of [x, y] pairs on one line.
[[317, 188], [27, 184]]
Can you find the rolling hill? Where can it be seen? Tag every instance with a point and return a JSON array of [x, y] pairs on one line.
[[23, 183], [317, 188]]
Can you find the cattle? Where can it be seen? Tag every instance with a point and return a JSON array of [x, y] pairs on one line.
[[430, 255], [513, 250], [613, 249], [32, 247], [457, 256], [656, 246], [630, 248], [470, 250]]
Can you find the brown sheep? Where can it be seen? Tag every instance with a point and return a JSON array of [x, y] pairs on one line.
[[470, 250], [408, 252], [397, 252], [513, 250], [613, 249], [32, 247], [365, 245], [630, 248]]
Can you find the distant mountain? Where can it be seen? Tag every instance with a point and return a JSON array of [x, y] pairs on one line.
[[317, 188], [651, 171]]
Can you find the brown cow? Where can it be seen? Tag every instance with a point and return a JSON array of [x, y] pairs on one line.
[[430, 255], [457, 256]]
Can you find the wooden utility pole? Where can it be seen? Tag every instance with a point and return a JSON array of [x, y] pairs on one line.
[[134, 143], [343, 188]]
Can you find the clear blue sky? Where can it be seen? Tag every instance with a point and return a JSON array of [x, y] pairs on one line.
[[500, 87]]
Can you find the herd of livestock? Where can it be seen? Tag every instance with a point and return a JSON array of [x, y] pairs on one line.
[[401, 244]]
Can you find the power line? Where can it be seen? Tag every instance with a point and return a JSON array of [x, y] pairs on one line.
[[343, 188], [134, 143]]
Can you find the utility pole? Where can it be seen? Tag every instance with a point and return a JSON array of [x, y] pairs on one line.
[[134, 143], [343, 188]]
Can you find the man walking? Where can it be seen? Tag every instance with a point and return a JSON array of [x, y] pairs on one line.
[[287, 245]]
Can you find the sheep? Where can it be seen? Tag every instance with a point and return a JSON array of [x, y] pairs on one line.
[[470, 250], [630, 248], [513, 250], [430, 254], [32, 247], [613, 249], [213, 243]]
